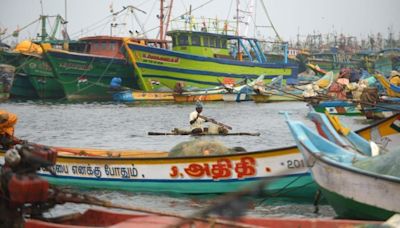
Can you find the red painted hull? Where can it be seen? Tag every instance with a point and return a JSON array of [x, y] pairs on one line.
[[105, 218]]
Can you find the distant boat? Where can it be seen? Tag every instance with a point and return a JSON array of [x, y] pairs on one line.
[[139, 96], [353, 192], [387, 60]]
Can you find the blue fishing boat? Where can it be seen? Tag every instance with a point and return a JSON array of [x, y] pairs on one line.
[[353, 192]]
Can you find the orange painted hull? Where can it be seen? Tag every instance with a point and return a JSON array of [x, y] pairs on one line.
[[194, 98]]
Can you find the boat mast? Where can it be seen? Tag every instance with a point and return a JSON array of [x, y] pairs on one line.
[[168, 17], [237, 18], [161, 19]]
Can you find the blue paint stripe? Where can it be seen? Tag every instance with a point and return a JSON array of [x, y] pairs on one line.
[[202, 72], [172, 180], [136, 47]]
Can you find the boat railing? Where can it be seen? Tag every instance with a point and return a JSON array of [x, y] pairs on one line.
[[202, 24]]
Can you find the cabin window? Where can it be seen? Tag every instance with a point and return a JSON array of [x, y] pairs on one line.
[[196, 40], [113, 46], [174, 43], [218, 43], [212, 41], [206, 42], [223, 44], [103, 45], [183, 40]]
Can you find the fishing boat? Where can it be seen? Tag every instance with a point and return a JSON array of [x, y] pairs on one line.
[[28, 191], [201, 59], [328, 61], [382, 109], [353, 192], [193, 97], [337, 107], [34, 76], [86, 72], [154, 171], [141, 96], [275, 91], [391, 90], [108, 218], [7, 73], [387, 60], [275, 96]]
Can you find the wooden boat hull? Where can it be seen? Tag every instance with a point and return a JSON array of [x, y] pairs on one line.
[[207, 174], [35, 77], [352, 192], [107, 218], [337, 107], [87, 76], [200, 97], [238, 97], [169, 67], [348, 108], [132, 96], [263, 98], [356, 195]]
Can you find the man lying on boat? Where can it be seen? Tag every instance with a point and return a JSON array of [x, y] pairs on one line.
[[196, 122]]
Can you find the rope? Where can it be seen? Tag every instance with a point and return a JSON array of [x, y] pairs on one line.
[[270, 21], [204, 4]]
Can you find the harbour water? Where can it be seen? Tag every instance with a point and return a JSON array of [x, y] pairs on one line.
[[120, 126]]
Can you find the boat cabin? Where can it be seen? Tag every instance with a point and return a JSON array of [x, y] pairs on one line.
[[111, 46], [215, 45]]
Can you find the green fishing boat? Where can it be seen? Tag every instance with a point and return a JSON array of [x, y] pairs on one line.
[[86, 72], [204, 58], [34, 76]]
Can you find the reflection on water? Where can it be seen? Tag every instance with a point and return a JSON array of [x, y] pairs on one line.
[[119, 126]]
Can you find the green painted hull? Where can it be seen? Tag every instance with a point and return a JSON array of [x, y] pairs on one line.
[[291, 186], [169, 67], [38, 72], [351, 209], [23, 88], [87, 77]]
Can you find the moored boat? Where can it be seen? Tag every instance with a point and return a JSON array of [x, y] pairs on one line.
[[202, 59], [86, 72], [353, 192], [193, 97], [138, 96], [34, 76], [108, 218], [154, 171], [275, 96]]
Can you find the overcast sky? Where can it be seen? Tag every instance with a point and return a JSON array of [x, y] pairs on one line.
[[290, 17]]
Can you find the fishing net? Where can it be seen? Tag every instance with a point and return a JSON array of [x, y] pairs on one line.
[[386, 164], [201, 148]]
